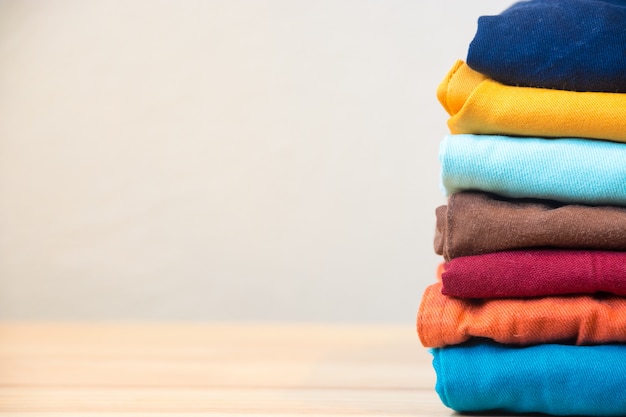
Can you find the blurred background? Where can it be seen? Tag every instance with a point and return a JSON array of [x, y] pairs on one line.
[[222, 159]]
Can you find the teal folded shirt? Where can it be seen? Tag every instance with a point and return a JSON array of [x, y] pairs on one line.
[[551, 379], [564, 169]]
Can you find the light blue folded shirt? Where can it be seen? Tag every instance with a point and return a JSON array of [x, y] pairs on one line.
[[549, 378], [564, 169]]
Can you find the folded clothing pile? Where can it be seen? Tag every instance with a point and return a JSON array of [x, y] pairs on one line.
[[529, 311]]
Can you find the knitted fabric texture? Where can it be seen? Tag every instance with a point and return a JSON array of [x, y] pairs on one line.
[[480, 105], [551, 379], [563, 44], [535, 273], [567, 170]]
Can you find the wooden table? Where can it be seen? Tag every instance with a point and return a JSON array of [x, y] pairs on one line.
[[231, 370]]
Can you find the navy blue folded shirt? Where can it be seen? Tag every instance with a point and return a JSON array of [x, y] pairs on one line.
[[576, 45]]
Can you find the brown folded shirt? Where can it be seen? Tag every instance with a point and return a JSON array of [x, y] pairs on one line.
[[475, 223]]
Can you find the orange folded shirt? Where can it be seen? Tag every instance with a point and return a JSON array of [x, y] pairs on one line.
[[480, 105], [576, 319]]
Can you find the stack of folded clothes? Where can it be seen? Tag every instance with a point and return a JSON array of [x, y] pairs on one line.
[[529, 311]]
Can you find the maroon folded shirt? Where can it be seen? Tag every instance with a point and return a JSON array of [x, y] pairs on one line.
[[529, 273]]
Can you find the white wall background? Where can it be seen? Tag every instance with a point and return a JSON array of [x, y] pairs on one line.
[[222, 160]]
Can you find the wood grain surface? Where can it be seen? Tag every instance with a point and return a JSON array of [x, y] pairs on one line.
[[142, 369]]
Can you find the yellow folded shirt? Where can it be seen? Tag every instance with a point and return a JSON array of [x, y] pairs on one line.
[[480, 105]]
